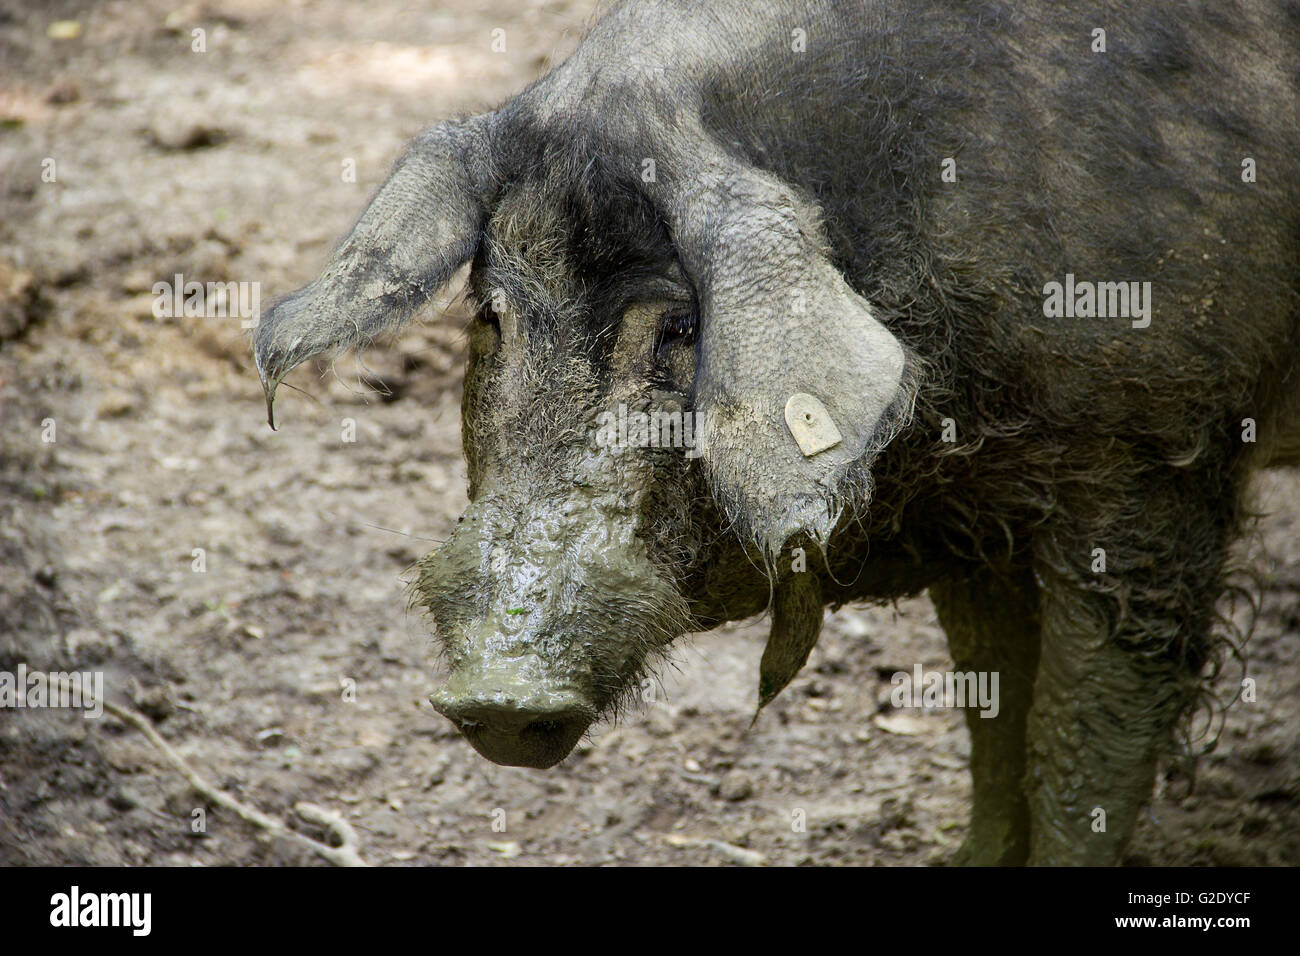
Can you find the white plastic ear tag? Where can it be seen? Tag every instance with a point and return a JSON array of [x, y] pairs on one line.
[[810, 424]]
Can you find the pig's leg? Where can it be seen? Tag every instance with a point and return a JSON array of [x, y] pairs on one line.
[[1121, 652], [991, 620]]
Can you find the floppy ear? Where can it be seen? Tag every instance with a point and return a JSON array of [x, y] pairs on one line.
[[423, 223], [795, 376]]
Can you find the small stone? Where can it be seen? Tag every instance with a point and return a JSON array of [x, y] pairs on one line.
[[86, 646], [122, 799], [353, 760], [115, 404], [271, 736], [155, 702], [182, 132], [370, 737], [63, 30], [18, 300], [438, 772], [659, 722], [903, 725], [736, 785], [63, 92]]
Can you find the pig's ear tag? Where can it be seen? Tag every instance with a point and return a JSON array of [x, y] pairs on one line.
[[810, 424]]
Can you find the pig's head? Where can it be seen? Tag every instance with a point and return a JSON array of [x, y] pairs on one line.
[[701, 297]]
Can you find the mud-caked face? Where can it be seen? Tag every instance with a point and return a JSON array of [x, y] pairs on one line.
[[566, 576], [627, 401]]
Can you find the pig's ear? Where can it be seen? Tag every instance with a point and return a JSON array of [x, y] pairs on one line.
[[423, 223], [797, 381]]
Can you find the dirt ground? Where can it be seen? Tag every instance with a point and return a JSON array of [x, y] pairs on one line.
[[228, 164]]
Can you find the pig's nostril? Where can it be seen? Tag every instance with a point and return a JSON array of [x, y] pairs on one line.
[[545, 733]]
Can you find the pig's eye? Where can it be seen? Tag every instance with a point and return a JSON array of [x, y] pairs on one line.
[[678, 326]]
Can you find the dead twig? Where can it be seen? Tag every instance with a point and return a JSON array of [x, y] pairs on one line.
[[345, 854]]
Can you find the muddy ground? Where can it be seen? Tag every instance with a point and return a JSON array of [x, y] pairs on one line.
[[228, 164]]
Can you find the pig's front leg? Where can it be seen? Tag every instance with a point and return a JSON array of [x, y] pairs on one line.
[[991, 619]]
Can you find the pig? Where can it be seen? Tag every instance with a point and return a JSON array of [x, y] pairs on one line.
[[995, 301]]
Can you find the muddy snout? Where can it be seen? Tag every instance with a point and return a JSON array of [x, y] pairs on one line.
[[546, 612], [535, 732]]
